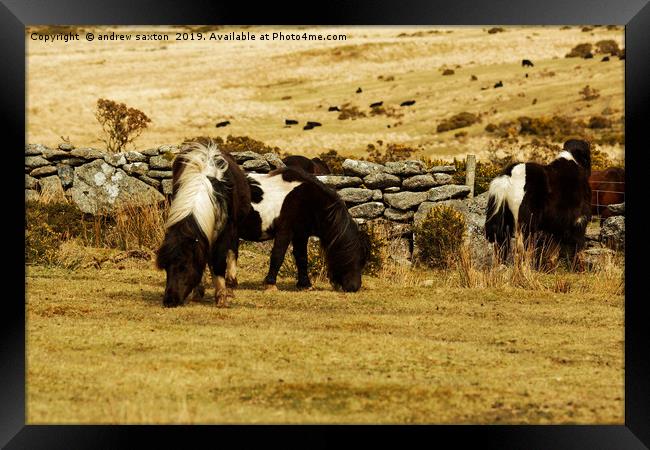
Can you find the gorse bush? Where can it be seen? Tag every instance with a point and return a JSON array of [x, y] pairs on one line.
[[460, 120], [439, 236], [579, 51], [243, 144], [333, 160], [391, 152], [120, 123]]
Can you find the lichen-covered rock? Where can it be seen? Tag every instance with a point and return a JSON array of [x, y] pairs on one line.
[[355, 168], [424, 182], [448, 192], [393, 189], [34, 149], [405, 200], [150, 152], [256, 165], [31, 182], [377, 195], [73, 161], [167, 187], [160, 162], [136, 168], [169, 149], [66, 174], [617, 209], [33, 162], [442, 169], [31, 195], [340, 181], [51, 188], [150, 181], [612, 232], [398, 215], [115, 159], [54, 154], [66, 146], [133, 156], [242, 157], [356, 195], [87, 153], [368, 210], [43, 171], [274, 160], [100, 187], [405, 168], [381, 180], [593, 257], [159, 174]]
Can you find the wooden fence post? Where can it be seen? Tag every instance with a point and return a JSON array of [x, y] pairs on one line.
[[470, 172]]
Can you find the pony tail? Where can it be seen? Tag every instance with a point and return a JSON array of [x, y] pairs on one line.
[[195, 195], [499, 221]]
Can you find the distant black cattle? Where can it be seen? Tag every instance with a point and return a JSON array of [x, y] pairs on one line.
[[290, 122], [376, 104], [526, 63], [333, 108], [407, 103], [499, 84], [473, 78], [359, 91], [606, 58], [526, 75], [223, 124], [311, 125]]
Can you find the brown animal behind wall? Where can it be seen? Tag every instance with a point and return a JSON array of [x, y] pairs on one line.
[[607, 188]]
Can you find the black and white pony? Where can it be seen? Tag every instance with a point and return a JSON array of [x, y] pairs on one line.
[[289, 205], [210, 196], [543, 201]]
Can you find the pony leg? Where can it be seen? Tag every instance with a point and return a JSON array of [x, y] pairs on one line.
[[231, 265], [280, 245], [300, 255], [218, 268]]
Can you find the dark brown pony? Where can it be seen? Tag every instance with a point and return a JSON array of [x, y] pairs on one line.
[[314, 166], [210, 196], [607, 188]]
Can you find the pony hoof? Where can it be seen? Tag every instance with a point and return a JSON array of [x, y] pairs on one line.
[[270, 287], [221, 299], [231, 282]]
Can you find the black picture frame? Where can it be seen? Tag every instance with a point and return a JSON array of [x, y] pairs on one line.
[[15, 15]]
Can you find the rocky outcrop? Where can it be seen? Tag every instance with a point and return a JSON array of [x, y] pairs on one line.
[[612, 232], [100, 187]]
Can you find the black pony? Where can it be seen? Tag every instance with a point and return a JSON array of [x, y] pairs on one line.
[[210, 196], [315, 166], [551, 201], [289, 205]]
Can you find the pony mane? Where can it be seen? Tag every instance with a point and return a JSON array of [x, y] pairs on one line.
[[193, 173]]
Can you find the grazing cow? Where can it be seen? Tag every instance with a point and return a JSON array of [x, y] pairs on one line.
[[290, 122], [314, 166], [223, 124], [376, 104], [526, 63], [473, 78], [543, 201], [314, 124], [605, 58], [210, 196], [607, 188], [526, 75], [407, 103], [359, 91], [333, 108], [289, 205], [498, 85]]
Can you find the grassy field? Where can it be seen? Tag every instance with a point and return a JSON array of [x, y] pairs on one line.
[[188, 86], [410, 347]]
